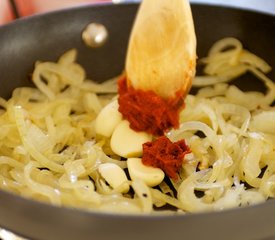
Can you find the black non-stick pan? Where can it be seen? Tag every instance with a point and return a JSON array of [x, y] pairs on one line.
[[46, 37]]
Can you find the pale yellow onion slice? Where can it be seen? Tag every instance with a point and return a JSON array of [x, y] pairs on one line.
[[162, 48]]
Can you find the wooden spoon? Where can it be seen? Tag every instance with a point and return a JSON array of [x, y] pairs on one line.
[[160, 66], [162, 49]]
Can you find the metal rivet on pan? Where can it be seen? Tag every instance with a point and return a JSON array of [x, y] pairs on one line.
[[95, 35]]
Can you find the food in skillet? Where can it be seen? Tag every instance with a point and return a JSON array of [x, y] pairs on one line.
[[61, 142]]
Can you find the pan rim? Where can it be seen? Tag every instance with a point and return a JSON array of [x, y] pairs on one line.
[[232, 6]]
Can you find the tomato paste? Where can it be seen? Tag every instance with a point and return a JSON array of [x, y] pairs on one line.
[[148, 112], [164, 154]]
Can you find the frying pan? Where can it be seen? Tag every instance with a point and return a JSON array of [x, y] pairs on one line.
[[45, 37]]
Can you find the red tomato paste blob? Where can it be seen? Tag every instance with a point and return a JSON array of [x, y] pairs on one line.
[[148, 112], [164, 154]]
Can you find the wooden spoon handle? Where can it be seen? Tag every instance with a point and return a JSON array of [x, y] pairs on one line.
[[162, 49]]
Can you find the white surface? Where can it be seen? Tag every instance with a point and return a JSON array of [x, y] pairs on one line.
[[6, 235], [259, 5]]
